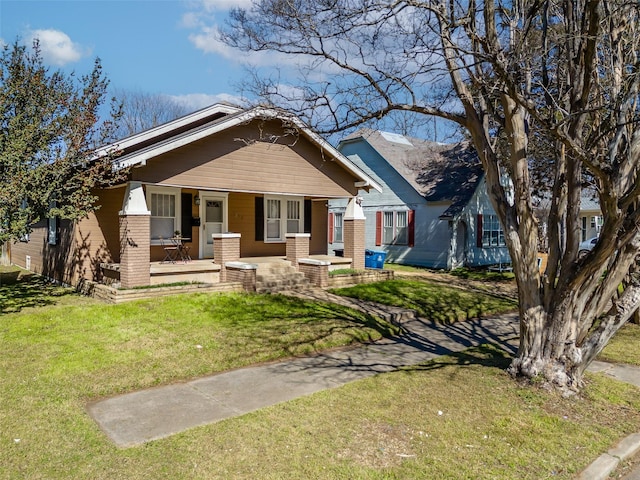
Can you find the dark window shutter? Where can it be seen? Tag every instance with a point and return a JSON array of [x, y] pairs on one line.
[[185, 215], [330, 227], [307, 216], [378, 228], [479, 231], [259, 219], [411, 225]]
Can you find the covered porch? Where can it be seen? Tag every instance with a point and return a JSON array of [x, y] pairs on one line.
[[261, 242]]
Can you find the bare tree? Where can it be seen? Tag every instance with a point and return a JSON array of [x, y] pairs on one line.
[[142, 111], [553, 81]]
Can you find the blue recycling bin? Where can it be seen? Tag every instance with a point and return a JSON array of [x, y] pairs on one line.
[[373, 259]]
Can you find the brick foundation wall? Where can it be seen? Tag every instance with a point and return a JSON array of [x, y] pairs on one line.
[[247, 277], [318, 275]]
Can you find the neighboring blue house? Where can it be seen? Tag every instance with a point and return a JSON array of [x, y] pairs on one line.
[[433, 210]]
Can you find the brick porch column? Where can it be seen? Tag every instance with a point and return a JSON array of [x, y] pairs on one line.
[[135, 238], [297, 247], [353, 231], [226, 248]]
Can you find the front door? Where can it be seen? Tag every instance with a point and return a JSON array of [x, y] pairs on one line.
[[214, 220]]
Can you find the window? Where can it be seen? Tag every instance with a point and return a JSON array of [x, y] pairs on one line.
[[277, 226], [164, 203], [596, 223], [337, 227], [293, 216], [395, 228], [52, 230], [52, 226], [273, 220], [492, 233]]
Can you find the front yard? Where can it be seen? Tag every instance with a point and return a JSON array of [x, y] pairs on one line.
[[457, 417]]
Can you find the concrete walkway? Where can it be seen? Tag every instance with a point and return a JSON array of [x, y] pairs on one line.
[[139, 417]]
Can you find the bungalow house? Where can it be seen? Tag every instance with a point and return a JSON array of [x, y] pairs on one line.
[[232, 184], [590, 217], [433, 210]]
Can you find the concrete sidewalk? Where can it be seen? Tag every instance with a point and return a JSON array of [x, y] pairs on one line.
[[139, 417]]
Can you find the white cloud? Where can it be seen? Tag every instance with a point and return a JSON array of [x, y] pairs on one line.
[[223, 5], [190, 20], [56, 47], [196, 101]]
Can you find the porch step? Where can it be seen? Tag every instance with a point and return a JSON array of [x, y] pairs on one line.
[[276, 277]]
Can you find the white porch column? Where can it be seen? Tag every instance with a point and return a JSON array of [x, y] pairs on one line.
[[353, 231], [135, 238]]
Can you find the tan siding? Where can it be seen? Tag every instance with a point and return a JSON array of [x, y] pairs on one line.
[[81, 247], [319, 228], [97, 237], [34, 248], [236, 160], [242, 220]]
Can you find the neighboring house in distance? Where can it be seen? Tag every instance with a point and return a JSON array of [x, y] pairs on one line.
[[252, 178], [590, 218], [433, 210]]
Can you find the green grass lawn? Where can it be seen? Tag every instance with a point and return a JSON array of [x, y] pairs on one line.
[[623, 347], [433, 301], [457, 417], [480, 274]]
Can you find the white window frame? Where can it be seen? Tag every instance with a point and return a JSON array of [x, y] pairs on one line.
[[492, 233], [175, 192], [283, 219], [52, 226], [338, 227], [396, 228]]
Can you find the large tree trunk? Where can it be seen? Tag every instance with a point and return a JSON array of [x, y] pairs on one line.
[[554, 345]]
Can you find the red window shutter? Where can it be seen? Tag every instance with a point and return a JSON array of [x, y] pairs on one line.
[[479, 231], [411, 225], [378, 228], [330, 227]]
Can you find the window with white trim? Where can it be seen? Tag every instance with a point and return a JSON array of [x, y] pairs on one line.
[[293, 216], [282, 215], [395, 229], [52, 226], [337, 227], [492, 233], [164, 204]]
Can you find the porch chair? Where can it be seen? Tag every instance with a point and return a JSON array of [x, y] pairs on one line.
[[170, 251], [184, 252]]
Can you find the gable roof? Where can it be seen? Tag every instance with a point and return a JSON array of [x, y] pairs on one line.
[[439, 172], [144, 146]]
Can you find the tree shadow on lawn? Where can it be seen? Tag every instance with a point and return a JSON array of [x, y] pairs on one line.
[[487, 355], [422, 343], [302, 326], [19, 291], [444, 305]]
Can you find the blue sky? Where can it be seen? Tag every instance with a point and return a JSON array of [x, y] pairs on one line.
[[154, 46]]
